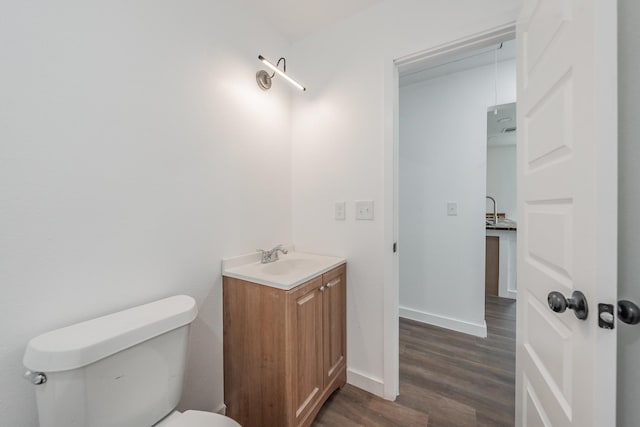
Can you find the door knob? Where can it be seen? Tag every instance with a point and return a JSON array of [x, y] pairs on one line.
[[578, 303], [628, 312]]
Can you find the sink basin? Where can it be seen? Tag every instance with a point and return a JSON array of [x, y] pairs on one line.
[[288, 272], [287, 266]]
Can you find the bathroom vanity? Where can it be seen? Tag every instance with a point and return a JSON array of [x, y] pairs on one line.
[[284, 337]]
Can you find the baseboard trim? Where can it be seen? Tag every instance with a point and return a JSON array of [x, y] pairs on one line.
[[476, 329], [222, 409], [366, 382]]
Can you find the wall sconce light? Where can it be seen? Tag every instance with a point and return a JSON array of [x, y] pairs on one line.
[[264, 79]]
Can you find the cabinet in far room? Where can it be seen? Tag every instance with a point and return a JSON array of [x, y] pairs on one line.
[[492, 265]]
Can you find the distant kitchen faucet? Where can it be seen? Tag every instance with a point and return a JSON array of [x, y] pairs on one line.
[[272, 255], [495, 210]]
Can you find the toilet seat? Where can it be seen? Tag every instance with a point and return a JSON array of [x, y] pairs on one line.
[[197, 419]]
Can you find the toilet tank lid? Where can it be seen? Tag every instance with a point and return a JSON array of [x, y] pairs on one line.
[[84, 343]]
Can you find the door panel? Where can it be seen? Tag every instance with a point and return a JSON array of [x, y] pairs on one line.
[[567, 185], [334, 323], [544, 22], [306, 327], [549, 351]]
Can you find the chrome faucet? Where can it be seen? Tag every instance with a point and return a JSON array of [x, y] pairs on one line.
[[495, 210], [271, 255]]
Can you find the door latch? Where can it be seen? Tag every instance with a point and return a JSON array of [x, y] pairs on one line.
[[606, 319]]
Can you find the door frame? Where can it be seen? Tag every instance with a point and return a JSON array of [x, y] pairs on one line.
[[391, 291]]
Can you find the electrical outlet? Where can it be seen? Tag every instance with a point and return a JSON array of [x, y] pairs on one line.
[[452, 209], [340, 213], [364, 210]]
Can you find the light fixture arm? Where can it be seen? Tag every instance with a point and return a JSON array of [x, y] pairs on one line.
[[284, 65], [264, 79]]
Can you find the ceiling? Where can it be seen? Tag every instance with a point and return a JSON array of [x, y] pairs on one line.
[[425, 70], [296, 19], [501, 126]]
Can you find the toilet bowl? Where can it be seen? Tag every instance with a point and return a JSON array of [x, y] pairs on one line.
[[196, 419], [121, 370]]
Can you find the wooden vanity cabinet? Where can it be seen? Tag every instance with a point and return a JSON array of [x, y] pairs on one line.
[[284, 351]]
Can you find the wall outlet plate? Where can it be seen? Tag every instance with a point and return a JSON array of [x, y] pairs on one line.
[[452, 209], [364, 210], [340, 211]]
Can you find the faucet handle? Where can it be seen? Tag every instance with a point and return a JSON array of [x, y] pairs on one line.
[[264, 255], [280, 248]]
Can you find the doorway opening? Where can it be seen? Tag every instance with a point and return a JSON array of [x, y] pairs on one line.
[[457, 335], [501, 195]]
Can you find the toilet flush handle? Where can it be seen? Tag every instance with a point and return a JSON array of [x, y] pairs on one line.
[[35, 378]]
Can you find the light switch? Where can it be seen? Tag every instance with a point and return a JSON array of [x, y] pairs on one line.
[[364, 210], [340, 211], [452, 208]]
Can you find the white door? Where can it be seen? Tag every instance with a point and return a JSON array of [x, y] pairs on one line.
[[567, 185]]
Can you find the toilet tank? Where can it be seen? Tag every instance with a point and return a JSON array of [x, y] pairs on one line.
[[125, 369]]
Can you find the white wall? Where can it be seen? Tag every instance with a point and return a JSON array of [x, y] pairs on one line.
[[628, 209], [343, 150], [501, 178], [135, 151], [443, 158]]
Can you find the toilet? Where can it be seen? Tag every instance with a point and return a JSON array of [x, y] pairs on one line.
[[121, 370]]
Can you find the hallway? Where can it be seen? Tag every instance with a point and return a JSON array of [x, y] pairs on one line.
[[446, 379]]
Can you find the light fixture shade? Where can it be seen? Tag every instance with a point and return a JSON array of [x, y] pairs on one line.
[[264, 80]]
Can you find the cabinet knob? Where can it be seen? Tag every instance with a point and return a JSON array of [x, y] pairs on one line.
[[333, 283], [322, 288]]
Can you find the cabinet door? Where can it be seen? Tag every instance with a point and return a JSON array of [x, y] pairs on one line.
[[306, 348], [334, 328]]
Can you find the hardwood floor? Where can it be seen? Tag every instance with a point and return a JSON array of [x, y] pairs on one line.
[[447, 379]]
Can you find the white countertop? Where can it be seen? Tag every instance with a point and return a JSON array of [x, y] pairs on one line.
[[289, 271], [503, 224]]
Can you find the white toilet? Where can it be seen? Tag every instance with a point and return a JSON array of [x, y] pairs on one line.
[[121, 370]]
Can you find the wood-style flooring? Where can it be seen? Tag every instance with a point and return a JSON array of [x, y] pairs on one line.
[[447, 379]]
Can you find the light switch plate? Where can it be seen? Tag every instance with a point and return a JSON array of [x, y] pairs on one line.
[[340, 211], [452, 208], [364, 210]]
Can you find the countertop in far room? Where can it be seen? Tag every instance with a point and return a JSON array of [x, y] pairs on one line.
[[504, 225]]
